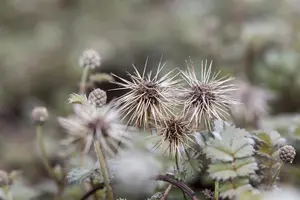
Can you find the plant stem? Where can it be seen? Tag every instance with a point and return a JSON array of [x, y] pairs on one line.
[[42, 148], [166, 192], [5, 190], [84, 78], [93, 186], [44, 156], [216, 190], [177, 161], [160, 177], [178, 169], [276, 175], [92, 191], [181, 185], [103, 169]]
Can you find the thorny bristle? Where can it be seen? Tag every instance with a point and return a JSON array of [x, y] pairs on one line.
[[149, 96], [208, 97], [175, 135]]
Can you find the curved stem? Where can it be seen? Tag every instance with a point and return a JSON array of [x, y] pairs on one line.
[[166, 178], [103, 169], [92, 191], [188, 191], [84, 78], [276, 175]]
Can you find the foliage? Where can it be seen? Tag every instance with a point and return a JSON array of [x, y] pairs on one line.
[[267, 154], [232, 159]]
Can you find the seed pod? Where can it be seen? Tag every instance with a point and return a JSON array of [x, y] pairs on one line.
[[97, 97], [287, 153]]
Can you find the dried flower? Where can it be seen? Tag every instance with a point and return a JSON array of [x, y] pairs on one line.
[[287, 153], [149, 96], [253, 104], [97, 97], [175, 135], [206, 98], [90, 123], [90, 58], [39, 114], [4, 179]]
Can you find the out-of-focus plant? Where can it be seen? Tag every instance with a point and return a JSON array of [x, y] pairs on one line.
[[184, 117]]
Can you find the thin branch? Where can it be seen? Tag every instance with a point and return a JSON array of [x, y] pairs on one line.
[[99, 186], [181, 185], [160, 177], [166, 192]]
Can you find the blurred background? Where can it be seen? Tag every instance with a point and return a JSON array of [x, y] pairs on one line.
[[257, 41]]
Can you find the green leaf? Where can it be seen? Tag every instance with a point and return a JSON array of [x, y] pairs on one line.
[[226, 170], [79, 175], [234, 188], [77, 98]]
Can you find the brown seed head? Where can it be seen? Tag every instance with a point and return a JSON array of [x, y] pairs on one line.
[[287, 153]]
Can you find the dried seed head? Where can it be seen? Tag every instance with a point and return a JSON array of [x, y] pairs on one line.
[[102, 124], [90, 58], [4, 179], [287, 153], [208, 97], [97, 97], [175, 134], [148, 97], [39, 114]]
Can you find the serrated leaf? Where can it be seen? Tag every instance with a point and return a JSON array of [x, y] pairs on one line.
[[234, 188], [218, 153], [80, 174], [199, 139], [226, 170]]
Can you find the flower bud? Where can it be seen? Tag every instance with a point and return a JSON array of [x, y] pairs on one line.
[[97, 97], [39, 114]]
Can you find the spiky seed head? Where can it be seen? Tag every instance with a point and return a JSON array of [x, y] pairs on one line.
[[207, 97], [90, 58], [39, 114], [149, 97], [4, 179], [90, 123], [97, 97], [287, 153], [175, 135]]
